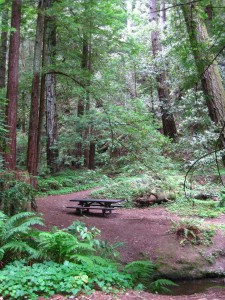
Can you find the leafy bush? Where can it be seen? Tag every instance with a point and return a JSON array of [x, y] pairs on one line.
[[78, 244], [104, 248], [20, 281], [17, 236], [16, 197]]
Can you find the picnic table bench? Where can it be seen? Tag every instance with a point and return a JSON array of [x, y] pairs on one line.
[[105, 205]]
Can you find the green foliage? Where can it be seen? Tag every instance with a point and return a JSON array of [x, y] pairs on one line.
[[88, 235], [160, 286], [16, 197], [204, 209], [129, 188], [142, 273], [77, 244], [20, 281], [222, 199], [60, 246], [17, 235], [70, 181]]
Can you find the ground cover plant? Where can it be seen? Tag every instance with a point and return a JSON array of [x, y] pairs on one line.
[[66, 261], [69, 181]]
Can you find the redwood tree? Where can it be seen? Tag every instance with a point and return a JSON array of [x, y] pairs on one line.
[[32, 152], [169, 126], [50, 90], [12, 87], [206, 65], [3, 47]]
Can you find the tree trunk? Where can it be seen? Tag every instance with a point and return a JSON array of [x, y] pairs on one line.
[[131, 72], [50, 90], [86, 148], [32, 152], [3, 47], [210, 76], [169, 125], [12, 87]]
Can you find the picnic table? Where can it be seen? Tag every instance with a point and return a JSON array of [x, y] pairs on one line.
[[105, 205]]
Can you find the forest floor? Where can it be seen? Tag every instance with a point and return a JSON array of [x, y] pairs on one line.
[[146, 235]]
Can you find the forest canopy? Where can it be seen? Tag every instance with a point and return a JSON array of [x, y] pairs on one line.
[[107, 83]]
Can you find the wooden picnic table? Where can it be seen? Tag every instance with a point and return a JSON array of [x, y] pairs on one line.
[[105, 205]]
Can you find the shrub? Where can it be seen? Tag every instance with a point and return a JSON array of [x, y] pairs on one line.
[[16, 193]]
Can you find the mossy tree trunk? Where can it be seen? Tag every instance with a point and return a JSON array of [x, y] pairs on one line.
[[206, 65]]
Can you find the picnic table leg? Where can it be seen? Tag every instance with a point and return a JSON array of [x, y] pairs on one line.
[[80, 211], [106, 212]]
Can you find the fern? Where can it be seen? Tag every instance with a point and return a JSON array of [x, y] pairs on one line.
[[141, 271], [20, 247], [60, 246], [159, 286], [16, 235]]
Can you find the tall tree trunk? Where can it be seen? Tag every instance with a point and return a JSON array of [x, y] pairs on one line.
[[210, 77], [50, 90], [32, 151], [131, 72], [12, 87], [3, 47], [169, 125], [87, 147]]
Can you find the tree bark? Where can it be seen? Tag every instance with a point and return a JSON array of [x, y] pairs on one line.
[[32, 152], [169, 125], [3, 47], [87, 147], [206, 65], [50, 91], [12, 87], [131, 72]]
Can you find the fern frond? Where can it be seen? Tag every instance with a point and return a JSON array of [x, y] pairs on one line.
[[19, 247], [139, 265], [82, 259], [85, 247], [19, 217], [141, 270], [159, 285], [98, 260]]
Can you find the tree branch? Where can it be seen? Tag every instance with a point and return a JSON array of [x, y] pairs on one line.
[[177, 5], [67, 75]]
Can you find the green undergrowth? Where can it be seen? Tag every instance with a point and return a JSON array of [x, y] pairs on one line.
[[193, 207], [70, 181], [38, 263], [129, 188], [22, 281]]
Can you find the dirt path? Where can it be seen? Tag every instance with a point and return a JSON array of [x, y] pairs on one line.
[[145, 233]]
